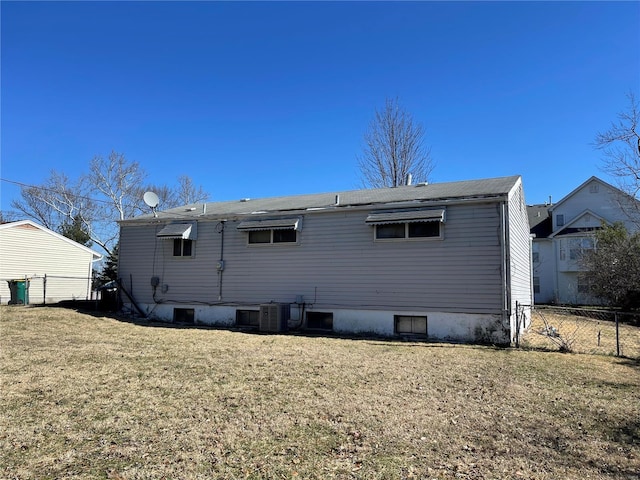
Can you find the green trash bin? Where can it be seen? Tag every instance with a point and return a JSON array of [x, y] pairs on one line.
[[19, 292]]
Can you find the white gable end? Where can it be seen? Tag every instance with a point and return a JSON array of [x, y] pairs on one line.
[[602, 200]]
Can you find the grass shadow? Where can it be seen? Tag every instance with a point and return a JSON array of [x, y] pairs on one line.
[[92, 308], [629, 362]]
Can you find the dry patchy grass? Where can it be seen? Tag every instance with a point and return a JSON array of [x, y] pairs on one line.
[[581, 334], [92, 397]]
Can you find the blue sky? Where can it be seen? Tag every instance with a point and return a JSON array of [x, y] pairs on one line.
[[264, 99]]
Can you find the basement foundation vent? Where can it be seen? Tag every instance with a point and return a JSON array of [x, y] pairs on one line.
[[248, 318], [184, 316], [410, 325], [320, 321]]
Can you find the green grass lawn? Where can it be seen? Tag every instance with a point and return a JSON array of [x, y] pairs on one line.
[[95, 397]]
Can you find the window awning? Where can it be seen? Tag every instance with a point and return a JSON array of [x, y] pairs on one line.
[[279, 224], [406, 216], [186, 231]]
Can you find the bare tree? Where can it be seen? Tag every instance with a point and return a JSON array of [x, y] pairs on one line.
[[32, 205], [52, 203], [8, 216], [188, 193], [112, 190], [621, 147], [185, 193], [167, 196], [394, 149], [119, 182]]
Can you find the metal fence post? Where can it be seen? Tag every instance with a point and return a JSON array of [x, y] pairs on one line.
[[44, 290], [517, 324], [617, 334]]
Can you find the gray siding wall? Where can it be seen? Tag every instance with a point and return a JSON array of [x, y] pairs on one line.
[[143, 256], [336, 264]]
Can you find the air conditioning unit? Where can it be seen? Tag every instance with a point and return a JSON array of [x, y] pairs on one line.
[[274, 317]]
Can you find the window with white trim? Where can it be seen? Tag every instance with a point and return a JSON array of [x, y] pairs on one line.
[[182, 247], [271, 231], [578, 247]]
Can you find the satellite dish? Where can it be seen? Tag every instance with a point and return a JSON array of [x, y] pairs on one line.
[[151, 199]]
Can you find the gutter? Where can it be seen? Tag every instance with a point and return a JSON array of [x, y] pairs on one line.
[[233, 216]]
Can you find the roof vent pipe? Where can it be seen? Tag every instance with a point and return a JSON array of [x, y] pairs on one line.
[[337, 200], [204, 208], [409, 178]]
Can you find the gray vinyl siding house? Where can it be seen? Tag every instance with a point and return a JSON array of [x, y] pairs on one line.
[[444, 261]]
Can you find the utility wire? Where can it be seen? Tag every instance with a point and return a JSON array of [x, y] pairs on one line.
[[47, 189], [27, 185]]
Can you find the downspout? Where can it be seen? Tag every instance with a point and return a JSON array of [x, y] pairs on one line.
[[556, 270], [91, 269], [88, 296], [220, 265], [531, 292], [506, 267]]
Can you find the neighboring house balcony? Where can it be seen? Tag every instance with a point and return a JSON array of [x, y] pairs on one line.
[[571, 250]]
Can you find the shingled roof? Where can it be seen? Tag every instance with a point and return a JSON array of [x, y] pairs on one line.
[[540, 220], [485, 188]]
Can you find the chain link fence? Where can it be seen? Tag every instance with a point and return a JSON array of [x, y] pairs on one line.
[[583, 330], [47, 289]]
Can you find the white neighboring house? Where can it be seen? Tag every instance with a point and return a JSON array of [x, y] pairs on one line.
[[56, 267], [565, 230]]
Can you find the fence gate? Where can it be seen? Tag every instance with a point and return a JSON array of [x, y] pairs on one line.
[[521, 320]]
